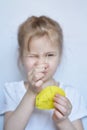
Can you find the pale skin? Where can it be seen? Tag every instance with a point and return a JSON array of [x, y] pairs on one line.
[[40, 64]]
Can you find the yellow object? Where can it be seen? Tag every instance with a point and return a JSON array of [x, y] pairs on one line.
[[44, 100]]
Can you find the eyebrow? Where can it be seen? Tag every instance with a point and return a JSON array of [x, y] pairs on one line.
[[42, 53]]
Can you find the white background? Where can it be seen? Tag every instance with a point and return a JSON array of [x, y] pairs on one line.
[[72, 16]]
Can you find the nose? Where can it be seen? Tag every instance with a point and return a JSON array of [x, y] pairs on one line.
[[42, 60]]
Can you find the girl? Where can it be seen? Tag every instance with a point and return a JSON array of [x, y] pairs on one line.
[[40, 42]]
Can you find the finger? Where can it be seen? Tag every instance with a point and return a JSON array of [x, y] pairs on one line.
[[66, 104], [39, 70], [63, 101], [35, 76], [60, 96], [42, 67], [30, 76], [58, 115], [38, 76], [39, 83], [30, 73], [60, 101], [61, 109]]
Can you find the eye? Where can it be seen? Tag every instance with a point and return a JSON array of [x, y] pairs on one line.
[[33, 56], [49, 55]]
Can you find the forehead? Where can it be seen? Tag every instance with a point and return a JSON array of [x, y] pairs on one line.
[[43, 42], [40, 45]]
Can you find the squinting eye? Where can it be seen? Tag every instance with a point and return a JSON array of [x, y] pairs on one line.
[[33, 56], [50, 55]]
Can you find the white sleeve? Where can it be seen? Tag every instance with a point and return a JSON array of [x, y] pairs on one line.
[[79, 108], [9, 99]]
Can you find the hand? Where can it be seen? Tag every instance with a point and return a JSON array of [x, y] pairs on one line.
[[36, 78], [63, 108]]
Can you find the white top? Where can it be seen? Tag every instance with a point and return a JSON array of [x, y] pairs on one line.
[[41, 119]]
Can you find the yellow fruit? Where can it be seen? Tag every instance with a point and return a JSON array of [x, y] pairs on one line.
[[44, 100]]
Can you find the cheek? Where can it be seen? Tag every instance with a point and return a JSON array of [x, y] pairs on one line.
[[29, 64], [53, 65]]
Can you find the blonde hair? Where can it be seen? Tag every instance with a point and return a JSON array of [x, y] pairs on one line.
[[39, 26]]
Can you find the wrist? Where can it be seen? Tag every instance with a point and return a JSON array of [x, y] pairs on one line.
[[31, 94], [31, 97], [65, 124]]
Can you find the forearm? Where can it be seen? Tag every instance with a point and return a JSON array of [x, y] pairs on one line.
[[65, 125], [19, 118]]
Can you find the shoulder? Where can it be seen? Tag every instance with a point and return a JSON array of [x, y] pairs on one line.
[[14, 91], [13, 88], [13, 85], [71, 92], [12, 95]]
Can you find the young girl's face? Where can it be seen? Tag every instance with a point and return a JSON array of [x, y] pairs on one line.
[[42, 52]]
